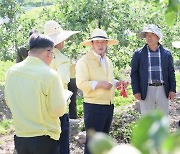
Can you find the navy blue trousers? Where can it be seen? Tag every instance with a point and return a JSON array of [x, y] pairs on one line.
[[64, 136], [97, 117], [36, 145]]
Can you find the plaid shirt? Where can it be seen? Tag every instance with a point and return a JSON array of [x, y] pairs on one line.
[[154, 69]]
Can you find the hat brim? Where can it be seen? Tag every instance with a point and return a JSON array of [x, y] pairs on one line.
[[109, 42], [58, 38], [143, 34]]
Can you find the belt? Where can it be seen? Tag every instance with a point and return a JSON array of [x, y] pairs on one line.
[[156, 84]]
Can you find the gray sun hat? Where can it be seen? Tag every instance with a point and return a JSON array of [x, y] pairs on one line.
[[152, 29]]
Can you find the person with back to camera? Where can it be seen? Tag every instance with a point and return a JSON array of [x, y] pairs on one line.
[[61, 64], [34, 94]]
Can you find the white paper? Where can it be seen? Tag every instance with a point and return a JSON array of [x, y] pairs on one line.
[[67, 94]]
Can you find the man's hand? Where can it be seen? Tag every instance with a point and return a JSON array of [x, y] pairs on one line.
[[121, 83], [137, 96], [104, 85], [171, 95]]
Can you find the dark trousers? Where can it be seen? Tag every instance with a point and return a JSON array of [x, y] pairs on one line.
[[64, 136], [72, 106], [36, 145], [97, 117]]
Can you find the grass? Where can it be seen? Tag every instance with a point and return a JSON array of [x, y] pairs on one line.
[[6, 126]]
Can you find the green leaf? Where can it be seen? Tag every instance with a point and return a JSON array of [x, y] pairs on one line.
[[172, 143], [100, 143], [170, 17], [174, 5], [150, 132]]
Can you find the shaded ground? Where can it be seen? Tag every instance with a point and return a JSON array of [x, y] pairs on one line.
[[7, 145]]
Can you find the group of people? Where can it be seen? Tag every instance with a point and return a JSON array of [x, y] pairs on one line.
[[34, 88]]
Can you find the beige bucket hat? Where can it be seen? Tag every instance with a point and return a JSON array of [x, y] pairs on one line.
[[99, 34], [152, 29], [56, 33]]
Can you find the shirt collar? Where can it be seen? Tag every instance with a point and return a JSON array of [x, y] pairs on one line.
[[34, 60], [157, 50], [98, 56]]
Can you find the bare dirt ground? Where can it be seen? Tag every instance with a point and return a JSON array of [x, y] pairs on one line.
[[7, 144]]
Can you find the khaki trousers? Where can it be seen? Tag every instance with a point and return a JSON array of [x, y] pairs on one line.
[[155, 99]]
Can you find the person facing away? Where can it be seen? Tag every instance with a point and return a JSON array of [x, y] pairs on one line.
[[33, 92], [61, 64], [152, 73], [22, 52], [94, 76]]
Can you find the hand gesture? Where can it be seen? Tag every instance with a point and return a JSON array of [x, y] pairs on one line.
[[105, 85]]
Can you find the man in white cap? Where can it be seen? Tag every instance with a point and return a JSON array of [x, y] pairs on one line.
[[94, 76], [61, 64], [152, 73]]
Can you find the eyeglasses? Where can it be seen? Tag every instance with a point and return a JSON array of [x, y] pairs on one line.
[[50, 50]]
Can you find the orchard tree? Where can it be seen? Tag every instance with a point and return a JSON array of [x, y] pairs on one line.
[[122, 20], [9, 9]]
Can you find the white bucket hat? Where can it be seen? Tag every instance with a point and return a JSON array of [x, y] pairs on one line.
[[152, 29], [99, 34], [56, 33]]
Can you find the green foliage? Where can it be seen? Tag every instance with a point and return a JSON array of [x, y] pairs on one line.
[[8, 30], [178, 81], [123, 123], [6, 126], [100, 143], [171, 144], [150, 136], [118, 18], [79, 102], [172, 11], [150, 132], [4, 66], [120, 101]]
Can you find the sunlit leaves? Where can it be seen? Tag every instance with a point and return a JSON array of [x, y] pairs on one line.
[[170, 17], [152, 133], [171, 144], [172, 11]]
